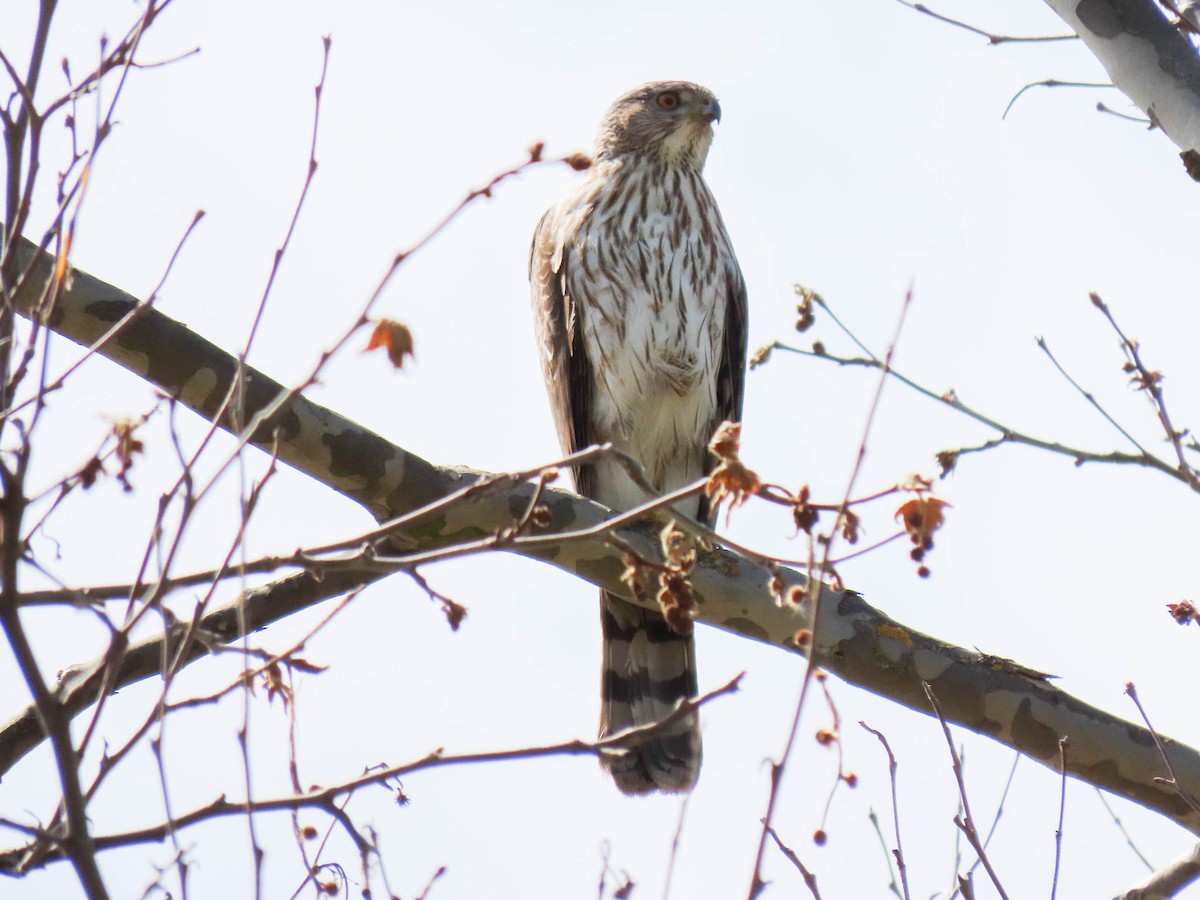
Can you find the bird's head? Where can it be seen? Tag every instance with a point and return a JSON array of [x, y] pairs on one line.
[[670, 120]]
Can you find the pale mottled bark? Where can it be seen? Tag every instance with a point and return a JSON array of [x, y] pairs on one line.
[[1146, 57], [855, 641]]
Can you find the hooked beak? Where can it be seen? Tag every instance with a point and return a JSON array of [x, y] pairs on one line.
[[711, 112]]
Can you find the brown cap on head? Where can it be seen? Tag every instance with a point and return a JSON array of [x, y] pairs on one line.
[[668, 119]]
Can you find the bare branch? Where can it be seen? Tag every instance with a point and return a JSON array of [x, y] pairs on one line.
[[992, 38], [1053, 83], [1007, 434], [1187, 796], [966, 822], [1169, 881], [1063, 745], [892, 766], [326, 798], [810, 880], [1146, 56]]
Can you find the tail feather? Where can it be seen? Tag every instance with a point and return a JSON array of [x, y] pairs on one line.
[[647, 670]]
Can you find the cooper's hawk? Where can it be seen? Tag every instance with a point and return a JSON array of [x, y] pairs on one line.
[[640, 310]]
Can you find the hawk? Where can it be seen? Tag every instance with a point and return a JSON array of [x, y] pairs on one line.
[[640, 311]]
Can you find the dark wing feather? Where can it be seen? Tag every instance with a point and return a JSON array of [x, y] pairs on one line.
[[560, 342], [731, 373]]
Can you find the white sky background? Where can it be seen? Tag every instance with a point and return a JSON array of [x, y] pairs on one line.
[[861, 150]]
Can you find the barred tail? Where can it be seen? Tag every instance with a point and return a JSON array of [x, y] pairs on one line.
[[646, 670]]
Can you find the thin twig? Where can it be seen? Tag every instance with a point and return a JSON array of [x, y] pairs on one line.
[[965, 822], [810, 880], [777, 768], [1150, 381], [987, 841], [1063, 744], [1053, 83], [1121, 828], [325, 798], [1140, 120], [1089, 396], [683, 806], [1173, 781], [888, 856], [892, 767], [1007, 435], [992, 38]]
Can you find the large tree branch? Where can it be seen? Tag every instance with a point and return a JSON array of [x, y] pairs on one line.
[[855, 641], [1147, 57]]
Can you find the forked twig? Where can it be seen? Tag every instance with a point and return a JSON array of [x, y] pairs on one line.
[[1173, 781], [777, 768], [898, 853], [810, 880], [965, 822]]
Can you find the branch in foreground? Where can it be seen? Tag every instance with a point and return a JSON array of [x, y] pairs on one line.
[[1168, 882], [79, 685], [43, 850], [965, 823], [995, 697]]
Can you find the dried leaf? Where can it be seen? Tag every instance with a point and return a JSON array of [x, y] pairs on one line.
[[850, 526], [395, 338], [1183, 612], [915, 482], [678, 548], [731, 480], [761, 355], [273, 680], [127, 447], [92, 470], [804, 514], [726, 441], [922, 516], [300, 664], [635, 576], [675, 596], [454, 612], [947, 460], [804, 309]]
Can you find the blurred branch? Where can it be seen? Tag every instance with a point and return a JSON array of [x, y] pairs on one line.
[[43, 849], [1168, 881], [810, 879]]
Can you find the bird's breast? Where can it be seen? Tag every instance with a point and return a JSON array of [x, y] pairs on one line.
[[652, 303]]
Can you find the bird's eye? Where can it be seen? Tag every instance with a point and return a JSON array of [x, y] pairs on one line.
[[668, 100]]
